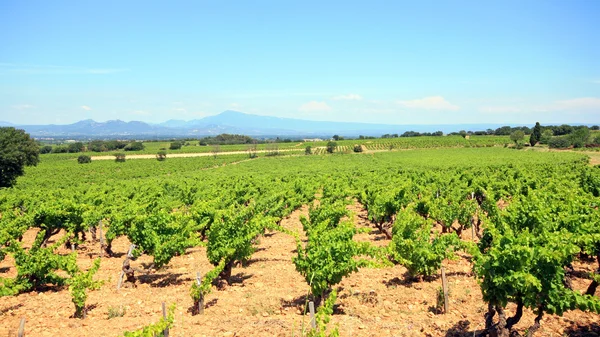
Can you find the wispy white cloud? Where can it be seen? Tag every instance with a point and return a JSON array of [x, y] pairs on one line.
[[313, 106], [596, 81], [349, 97], [85, 107], [23, 106], [429, 103], [235, 106], [140, 113], [56, 70], [583, 103]]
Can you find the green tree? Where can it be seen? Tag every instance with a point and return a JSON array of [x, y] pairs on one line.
[[331, 147], [83, 159], [135, 146], [17, 150], [75, 147], [175, 146], [45, 149], [517, 137], [579, 137], [536, 135], [161, 155], [308, 150], [546, 136]]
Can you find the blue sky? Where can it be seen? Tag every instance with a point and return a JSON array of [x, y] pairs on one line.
[[400, 62]]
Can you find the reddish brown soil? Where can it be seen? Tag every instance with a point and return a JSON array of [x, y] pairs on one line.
[[267, 297]]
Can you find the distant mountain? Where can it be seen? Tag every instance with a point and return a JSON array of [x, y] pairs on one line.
[[233, 122]]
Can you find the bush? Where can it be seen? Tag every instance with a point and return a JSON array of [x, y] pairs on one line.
[[308, 150], [135, 146], [120, 157], [331, 147], [559, 142], [60, 149], [546, 136], [357, 148], [76, 147], [175, 146], [83, 159], [161, 155], [45, 149]]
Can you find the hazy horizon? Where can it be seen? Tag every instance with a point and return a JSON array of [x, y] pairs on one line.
[[405, 63]]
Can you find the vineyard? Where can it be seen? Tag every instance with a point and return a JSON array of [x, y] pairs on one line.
[[239, 246]]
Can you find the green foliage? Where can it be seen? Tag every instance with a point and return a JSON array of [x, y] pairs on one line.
[[536, 134], [517, 136], [546, 136], [161, 155], [75, 147], [162, 235], [134, 146], [413, 247], [579, 137], [83, 159], [79, 284], [175, 145], [120, 157], [322, 318], [198, 292], [45, 149], [36, 267], [330, 253], [17, 150], [331, 147], [562, 142], [308, 150], [156, 329], [357, 148]]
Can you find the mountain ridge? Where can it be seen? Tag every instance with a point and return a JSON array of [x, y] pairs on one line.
[[231, 121]]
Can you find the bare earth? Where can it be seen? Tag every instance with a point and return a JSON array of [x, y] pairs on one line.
[[267, 298]]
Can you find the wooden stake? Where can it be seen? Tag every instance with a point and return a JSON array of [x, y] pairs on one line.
[[131, 248], [201, 301], [21, 332], [164, 309], [311, 309], [445, 289]]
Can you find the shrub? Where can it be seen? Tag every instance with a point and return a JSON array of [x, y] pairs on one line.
[[546, 136], [161, 155], [135, 146], [83, 159], [357, 148], [562, 142], [308, 150], [331, 147], [45, 149], [175, 146], [60, 149], [120, 157], [76, 147]]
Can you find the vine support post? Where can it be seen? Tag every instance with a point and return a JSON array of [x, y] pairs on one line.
[[445, 289], [201, 300], [164, 312], [311, 309], [131, 248], [102, 243], [21, 332]]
